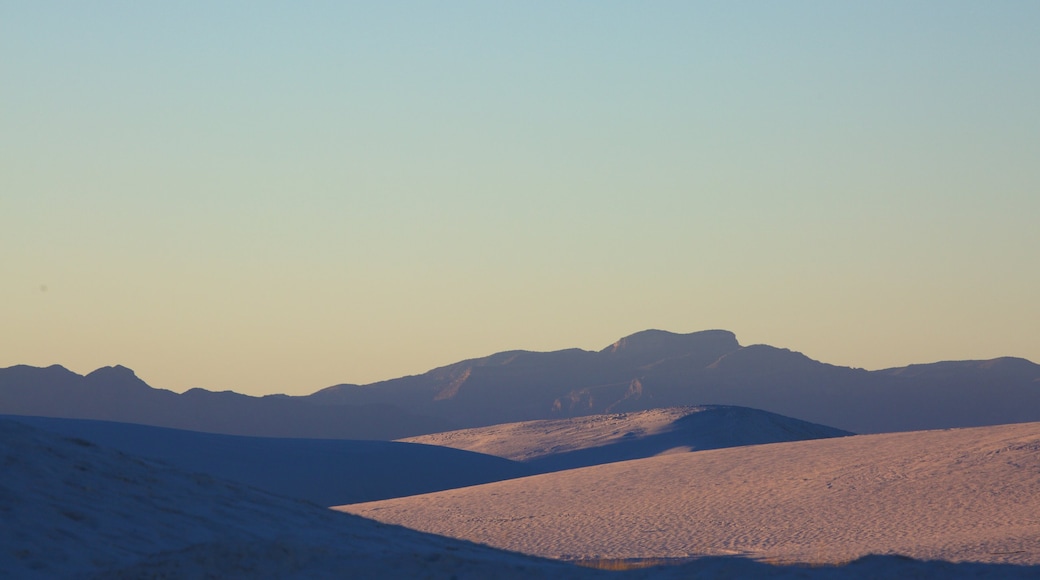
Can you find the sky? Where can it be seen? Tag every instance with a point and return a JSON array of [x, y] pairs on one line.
[[278, 197]]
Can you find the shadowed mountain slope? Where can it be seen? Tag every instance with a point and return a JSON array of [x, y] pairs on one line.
[[558, 444], [647, 370], [657, 369], [323, 471]]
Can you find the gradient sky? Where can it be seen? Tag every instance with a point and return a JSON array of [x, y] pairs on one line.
[[277, 197]]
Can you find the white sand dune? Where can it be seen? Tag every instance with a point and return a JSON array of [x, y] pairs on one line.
[[324, 471], [70, 509], [956, 495], [557, 444]]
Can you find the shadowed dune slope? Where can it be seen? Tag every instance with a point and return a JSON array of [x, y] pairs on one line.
[[958, 495], [557, 444], [71, 509], [324, 471]]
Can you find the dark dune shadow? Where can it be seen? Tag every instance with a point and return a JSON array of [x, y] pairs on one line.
[[324, 471], [868, 567]]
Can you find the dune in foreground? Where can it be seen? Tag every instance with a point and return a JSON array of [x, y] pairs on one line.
[[557, 444], [324, 471], [956, 495], [71, 509]]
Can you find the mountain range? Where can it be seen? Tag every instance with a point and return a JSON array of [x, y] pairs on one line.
[[647, 370], [117, 394]]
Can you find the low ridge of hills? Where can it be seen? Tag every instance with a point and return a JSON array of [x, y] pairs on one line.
[[117, 394], [557, 444], [960, 495], [322, 471], [647, 370]]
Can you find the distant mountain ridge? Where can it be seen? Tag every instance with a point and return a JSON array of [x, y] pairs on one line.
[[646, 370], [656, 369], [117, 394]]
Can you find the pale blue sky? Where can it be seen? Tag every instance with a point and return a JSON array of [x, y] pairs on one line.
[[279, 197]]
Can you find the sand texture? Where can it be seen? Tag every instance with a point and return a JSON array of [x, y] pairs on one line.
[[553, 445], [957, 495]]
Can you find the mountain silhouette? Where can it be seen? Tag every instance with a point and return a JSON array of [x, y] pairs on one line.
[[654, 369], [646, 370], [117, 394]]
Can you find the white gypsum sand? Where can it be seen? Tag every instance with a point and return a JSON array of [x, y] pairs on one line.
[[71, 509], [594, 439], [75, 510], [323, 471], [957, 495]]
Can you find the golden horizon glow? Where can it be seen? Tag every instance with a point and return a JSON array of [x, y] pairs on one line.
[[281, 198]]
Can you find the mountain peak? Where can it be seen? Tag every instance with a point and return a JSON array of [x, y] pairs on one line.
[[113, 372], [118, 378], [672, 344], [30, 375]]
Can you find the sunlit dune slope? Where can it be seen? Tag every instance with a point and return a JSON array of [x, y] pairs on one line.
[[959, 495], [552, 445]]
